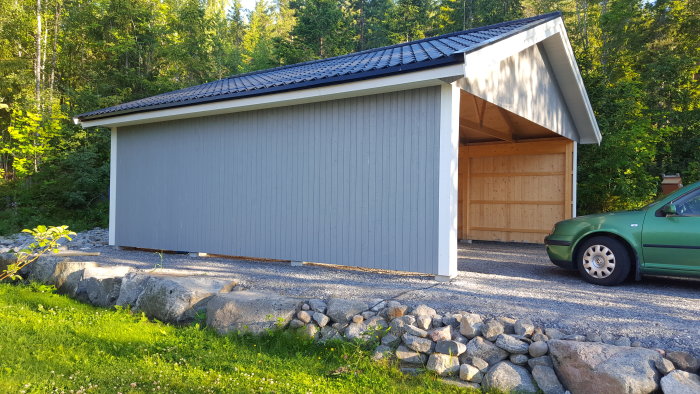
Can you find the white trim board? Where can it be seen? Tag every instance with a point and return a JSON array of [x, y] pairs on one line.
[[447, 181], [113, 187], [411, 80]]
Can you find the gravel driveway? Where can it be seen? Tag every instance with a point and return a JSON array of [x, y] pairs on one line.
[[495, 279]]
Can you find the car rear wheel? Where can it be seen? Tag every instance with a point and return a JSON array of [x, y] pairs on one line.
[[603, 261]]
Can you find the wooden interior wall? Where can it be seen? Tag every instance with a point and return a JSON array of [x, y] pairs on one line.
[[514, 192]]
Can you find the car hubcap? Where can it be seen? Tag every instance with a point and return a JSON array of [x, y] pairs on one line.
[[599, 261]]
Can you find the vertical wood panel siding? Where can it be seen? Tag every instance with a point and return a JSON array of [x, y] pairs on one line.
[[350, 182]]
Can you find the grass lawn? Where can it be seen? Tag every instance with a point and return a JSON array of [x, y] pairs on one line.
[[51, 343]]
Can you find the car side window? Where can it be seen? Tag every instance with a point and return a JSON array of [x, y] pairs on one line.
[[689, 205]]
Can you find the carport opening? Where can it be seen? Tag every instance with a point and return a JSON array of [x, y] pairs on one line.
[[515, 176]]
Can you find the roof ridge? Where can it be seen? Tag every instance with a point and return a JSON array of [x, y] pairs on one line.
[[549, 15]]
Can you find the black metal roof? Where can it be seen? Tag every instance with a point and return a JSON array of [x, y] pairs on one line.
[[410, 56]]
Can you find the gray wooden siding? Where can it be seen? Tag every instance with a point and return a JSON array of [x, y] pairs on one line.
[[350, 182]]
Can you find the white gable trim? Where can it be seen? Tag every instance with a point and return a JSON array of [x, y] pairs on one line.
[[413, 80], [553, 38]]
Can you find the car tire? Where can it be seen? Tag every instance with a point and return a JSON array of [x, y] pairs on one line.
[[603, 261]]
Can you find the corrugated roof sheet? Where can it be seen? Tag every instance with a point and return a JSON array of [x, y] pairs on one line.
[[410, 56]]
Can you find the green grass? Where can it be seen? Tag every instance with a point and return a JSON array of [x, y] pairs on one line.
[[51, 343]]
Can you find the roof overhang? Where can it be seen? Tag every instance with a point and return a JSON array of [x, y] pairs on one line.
[[552, 37], [404, 81]]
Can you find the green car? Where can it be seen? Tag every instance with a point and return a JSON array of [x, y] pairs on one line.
[[662, 238]]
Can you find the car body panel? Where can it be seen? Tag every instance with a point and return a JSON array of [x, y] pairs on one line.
[[625, 225], [672, 242]]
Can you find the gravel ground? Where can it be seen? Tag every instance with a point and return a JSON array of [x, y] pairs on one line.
[[495, 279]]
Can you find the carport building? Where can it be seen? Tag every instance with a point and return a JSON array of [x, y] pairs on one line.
[[379, 159]]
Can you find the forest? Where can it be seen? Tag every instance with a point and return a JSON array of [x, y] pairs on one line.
[[640, 61]]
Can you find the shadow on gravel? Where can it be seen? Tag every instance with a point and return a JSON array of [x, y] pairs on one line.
[[528, 260]]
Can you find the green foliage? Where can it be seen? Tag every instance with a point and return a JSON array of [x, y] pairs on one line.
[[370, 22], [412, 19], [456, 15], [71, 187], [258, 41], [52, 343], [42, 288], [45, 241], [640, 64], [322, 29]]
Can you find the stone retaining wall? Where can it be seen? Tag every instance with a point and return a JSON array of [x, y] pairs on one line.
[[465, 349]]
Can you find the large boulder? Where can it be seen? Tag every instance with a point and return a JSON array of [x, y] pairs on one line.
[[684, 361], [132, 287], [485, 350], [43, 268], [68, 274], [491, 329], [453, 348], [443, 364], [317, 305], [470, 373], [547, 380], [5, 260], [680, 382], [177, 299], [408, 356], [423, 345], [523, 327], [441, 334], [586, 367], [424, 310], [507, 377], [342, 311], [100, 285], [538, 349], [542, 360], [355, 331], [512, 344], [248, 311]]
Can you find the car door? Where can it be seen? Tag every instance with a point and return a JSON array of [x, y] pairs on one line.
[[671, 242]]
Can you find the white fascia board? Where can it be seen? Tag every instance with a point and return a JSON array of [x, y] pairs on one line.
[[409, 80], [556, 43]]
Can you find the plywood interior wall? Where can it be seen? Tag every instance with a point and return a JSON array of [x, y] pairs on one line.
[[515, 191]]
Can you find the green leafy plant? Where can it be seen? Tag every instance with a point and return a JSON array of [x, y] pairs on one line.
[[158, 265], [45, 240], [200, 317], [42, 288]]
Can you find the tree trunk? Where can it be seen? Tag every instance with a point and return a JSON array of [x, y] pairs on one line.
[[604, 38], [363, 45], [52, 77], [37, 76], [37, 62]]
